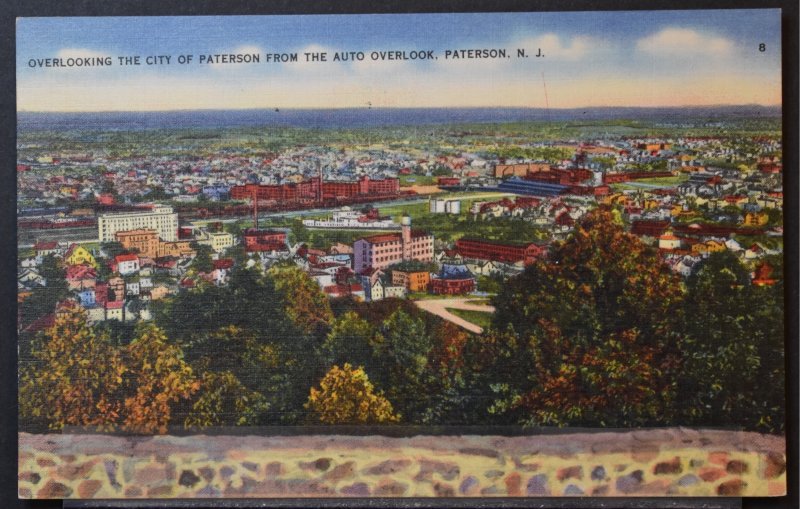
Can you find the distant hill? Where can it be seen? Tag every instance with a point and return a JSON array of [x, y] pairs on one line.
[[370, 117]]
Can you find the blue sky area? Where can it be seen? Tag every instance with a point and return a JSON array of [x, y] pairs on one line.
[[647, 58]]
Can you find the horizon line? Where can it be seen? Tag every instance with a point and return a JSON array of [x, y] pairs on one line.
[[295, 108]]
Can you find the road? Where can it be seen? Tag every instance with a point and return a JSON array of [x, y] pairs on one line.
[[439, 307]]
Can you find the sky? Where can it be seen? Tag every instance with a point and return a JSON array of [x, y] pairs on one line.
[[591, 59]]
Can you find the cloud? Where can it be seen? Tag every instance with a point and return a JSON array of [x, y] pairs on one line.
[[65, 53], [683, 41]]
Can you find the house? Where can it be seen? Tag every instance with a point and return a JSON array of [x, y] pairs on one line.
[[47, 248], [79, 255], [86, 298], [80, 277], [483, 267], [756, 219], [126, 264], [708, 247], [132, 287], [394, 291], [31, 278], [158, 292], [115, 310], [372, 283], [116, 288], [668, 241]]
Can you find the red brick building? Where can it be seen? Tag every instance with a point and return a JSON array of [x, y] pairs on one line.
[[264, 240], [499, 251], [310, 189], [453, 280], [452, 286]]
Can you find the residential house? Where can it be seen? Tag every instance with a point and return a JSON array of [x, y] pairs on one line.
[[126, 264], [79, 255]]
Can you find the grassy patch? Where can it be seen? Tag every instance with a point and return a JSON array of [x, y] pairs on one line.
[[416, 180], [479, 318]]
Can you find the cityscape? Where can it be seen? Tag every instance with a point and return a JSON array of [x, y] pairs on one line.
[[418, 255]]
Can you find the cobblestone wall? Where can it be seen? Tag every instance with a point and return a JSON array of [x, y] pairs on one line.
[[680, 462]]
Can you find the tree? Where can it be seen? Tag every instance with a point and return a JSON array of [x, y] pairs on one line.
[[74, 376], [43, 299], [346, 396], [594, 332], [158, 378], [351, 339], [734, 366], [303, 301], [224, 401], [404, 356], [202, 261]]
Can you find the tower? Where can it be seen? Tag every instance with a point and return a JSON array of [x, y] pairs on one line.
[[405, 226]]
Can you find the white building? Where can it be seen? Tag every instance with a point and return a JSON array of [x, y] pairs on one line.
[[160, 218], [219, 241]]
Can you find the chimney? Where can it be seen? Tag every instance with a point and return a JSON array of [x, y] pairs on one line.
[[405, 225]]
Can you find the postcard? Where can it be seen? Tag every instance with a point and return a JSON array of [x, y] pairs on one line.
[[496, 255]]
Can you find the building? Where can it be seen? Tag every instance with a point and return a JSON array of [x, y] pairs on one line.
[[477, 249], [668, 241], [531, 187], [519, 170], [441, 206], [453, 280], [146, 242], [219, 241], [264, 240], [160, 218], [380, 251], [127, 264], [413, 280], [310, 189], [79, 255]]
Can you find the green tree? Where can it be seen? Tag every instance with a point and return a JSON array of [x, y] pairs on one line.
[[734, 366], [43, 299], [404, 354], [346, 396], [351, 339], [202, 261]]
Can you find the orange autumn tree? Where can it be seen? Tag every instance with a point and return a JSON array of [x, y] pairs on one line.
[[159, 378], [346, 396], [73, 378]]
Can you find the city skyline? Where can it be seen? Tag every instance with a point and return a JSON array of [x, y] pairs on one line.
[[600, 59]]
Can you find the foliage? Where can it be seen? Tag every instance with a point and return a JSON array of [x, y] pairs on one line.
[[224, 401], [593, 329], [734, 368], [351, 340], [158, 377], [303, 301], [74, 376], [202, 261], [346, 396], [43, 299]]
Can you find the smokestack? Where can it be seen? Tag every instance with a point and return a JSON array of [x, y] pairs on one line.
[[255, 207]]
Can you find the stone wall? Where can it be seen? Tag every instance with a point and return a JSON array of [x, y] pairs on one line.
[[680, 462]]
